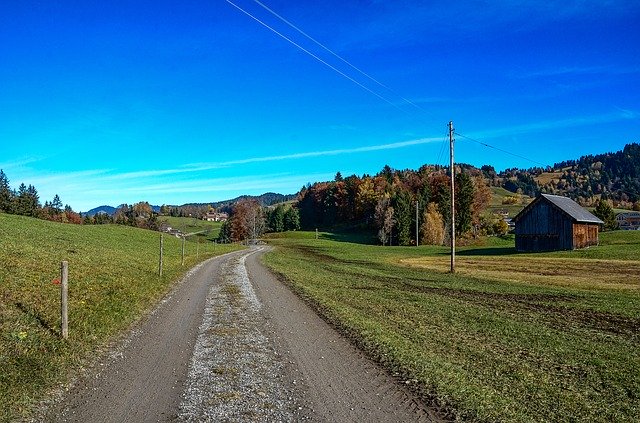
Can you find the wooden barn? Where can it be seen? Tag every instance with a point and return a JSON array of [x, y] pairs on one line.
[[552, 222]]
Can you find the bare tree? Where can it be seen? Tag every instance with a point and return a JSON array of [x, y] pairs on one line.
[[385, 220]]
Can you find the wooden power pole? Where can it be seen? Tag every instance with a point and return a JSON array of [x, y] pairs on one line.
[[417, 226], [453, 200]]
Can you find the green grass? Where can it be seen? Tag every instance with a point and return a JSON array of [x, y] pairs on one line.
[[498, 194], [190, 225], [510, 337], [113, 280]]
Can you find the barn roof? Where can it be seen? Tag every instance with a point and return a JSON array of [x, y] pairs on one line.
[[567, 205]]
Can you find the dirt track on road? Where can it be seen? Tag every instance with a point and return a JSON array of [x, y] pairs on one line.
[[232, 343]]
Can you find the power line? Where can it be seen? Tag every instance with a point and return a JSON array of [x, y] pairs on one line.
[[313, 55], [289, 40], [338, 56], [445, 140], [500, 149]]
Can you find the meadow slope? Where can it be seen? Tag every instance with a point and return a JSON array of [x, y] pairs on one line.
[[113, 280]]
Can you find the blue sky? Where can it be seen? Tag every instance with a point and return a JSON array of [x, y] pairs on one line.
[[196, 101]]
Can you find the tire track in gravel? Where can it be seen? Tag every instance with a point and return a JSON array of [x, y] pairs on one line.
[[336, 381], [235, 373]]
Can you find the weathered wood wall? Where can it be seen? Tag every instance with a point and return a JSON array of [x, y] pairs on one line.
[[544, 228], [584, 235]]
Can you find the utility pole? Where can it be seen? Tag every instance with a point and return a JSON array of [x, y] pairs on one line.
[[417, 226], [453, 200]]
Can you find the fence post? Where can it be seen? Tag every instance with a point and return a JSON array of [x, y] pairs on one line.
[[161, 253], [198, 249], [64, 293], [182, 250]]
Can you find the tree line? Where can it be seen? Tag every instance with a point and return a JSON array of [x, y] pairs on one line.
[[25, 201], [249, 220], [384, 204]]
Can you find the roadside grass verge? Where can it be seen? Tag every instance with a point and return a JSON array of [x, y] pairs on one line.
[[510, 337], [113, 280]]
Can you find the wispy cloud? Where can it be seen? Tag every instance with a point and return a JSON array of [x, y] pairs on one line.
[[19, 163], [92, 192], [200, 167], [378, 25], [576, 121], [89, 188], [580, 70], [337, 152]]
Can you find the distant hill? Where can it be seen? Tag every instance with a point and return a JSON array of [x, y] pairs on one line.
[[265, 199], [110, 210], [102, 209]]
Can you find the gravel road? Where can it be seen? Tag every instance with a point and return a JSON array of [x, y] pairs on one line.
[[231, 343]]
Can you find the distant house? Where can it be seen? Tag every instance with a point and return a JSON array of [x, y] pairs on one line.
[[628, 221], [215, 217], [553, 222]]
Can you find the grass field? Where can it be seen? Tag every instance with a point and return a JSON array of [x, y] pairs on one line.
[[510, 337], [113, 280], [190, 225], [498, 194]]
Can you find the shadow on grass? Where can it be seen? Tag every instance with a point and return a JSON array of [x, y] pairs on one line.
[[364, 238], [491, 251], [35, 315]]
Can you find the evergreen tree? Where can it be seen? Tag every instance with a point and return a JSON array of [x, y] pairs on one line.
[[33, 201], [224, 236], [276, 219], [6, 195], [56, 204], [605, 212], [464, 202], [404, 217], [26, 201], [292, 219]]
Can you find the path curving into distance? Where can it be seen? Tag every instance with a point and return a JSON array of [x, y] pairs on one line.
[[232, 343]]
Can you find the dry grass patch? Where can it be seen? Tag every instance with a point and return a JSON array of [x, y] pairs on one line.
[[588, 274]]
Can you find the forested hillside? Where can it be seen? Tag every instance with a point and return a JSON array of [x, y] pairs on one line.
[[610, 176]]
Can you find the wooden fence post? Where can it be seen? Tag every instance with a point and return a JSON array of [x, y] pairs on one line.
[[64, 293], [198, 248], [183, 250], [161, 253]]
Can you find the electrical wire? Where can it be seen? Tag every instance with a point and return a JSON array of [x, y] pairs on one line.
[[500, 149], [442, 146], [327, 49], [314, 56]]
